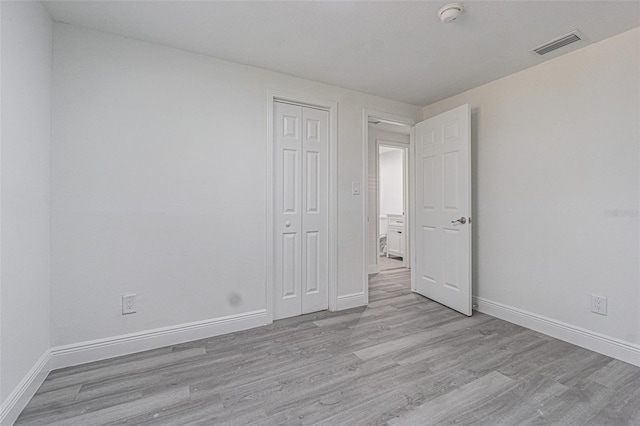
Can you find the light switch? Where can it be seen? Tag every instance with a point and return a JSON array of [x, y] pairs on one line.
[[355, 188]]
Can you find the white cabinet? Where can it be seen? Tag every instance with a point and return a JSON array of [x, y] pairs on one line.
[[395, 235]]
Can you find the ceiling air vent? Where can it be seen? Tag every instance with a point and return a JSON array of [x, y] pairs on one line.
[[557, 43]]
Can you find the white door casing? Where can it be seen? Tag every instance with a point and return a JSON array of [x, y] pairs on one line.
[[442, 164], [300, 210]]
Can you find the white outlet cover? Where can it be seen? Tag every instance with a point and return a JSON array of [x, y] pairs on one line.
[[129, 304], [598, 304]]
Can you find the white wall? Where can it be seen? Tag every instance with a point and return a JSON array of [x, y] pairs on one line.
[[375, 134], [391, 179], [556, 147], [159, 169], [25, 190]]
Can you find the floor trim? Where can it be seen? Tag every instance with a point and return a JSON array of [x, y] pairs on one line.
[[351, 301], [96, 350], [22, 394], [610, 346]]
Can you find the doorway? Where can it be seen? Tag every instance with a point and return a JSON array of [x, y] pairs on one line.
[[391, 205], [438, 219], [388, 193]]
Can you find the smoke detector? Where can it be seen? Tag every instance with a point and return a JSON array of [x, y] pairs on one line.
[[450, 12]]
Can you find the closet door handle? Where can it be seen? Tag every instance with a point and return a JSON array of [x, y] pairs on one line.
[[462, 220]]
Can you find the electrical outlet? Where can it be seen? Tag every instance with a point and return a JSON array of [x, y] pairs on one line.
[[599, 304], [129, 304]]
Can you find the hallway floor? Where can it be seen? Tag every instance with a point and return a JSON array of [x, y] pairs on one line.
[[387, 263]]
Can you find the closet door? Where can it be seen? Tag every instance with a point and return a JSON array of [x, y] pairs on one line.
[[315, 241], [300, 210], [288, 209]]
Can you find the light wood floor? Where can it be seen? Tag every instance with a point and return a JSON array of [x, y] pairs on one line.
[[385, 263], [403, 360]]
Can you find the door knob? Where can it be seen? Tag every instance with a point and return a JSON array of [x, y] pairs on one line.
[[462, 220], [287, 224]]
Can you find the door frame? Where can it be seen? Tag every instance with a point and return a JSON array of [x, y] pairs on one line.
[[405, 147], [332, 108], [380, 115]]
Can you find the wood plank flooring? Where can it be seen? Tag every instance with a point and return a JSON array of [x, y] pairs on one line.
[[404, 360], [385, 263]]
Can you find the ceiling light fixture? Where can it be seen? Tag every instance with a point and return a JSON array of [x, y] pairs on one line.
[[450, 12]]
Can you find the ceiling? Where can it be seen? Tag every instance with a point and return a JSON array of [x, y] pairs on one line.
[[395, 49]]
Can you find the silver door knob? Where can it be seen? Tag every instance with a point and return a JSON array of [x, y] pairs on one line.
[[287, 224], [462, 220]]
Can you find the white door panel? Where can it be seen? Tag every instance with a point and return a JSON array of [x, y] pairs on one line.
[[442, 261], [301, 210], [315, 179], [288, 205]]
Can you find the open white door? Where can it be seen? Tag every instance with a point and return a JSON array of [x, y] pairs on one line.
[[442, 232]]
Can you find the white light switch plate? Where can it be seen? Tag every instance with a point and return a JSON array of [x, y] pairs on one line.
[[355, 188]]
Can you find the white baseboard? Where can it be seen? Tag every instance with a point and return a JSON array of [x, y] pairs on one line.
[[606, 345], [96, 350], [22, 394], [351, 301], [373, 269]]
